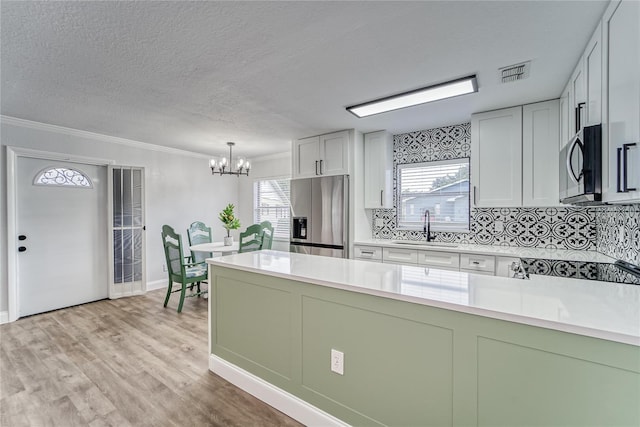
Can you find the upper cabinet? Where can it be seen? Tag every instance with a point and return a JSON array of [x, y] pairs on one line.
[[621, 112], [593, 79], [322, 155], [378, 170], [496, 158], [514, 156]]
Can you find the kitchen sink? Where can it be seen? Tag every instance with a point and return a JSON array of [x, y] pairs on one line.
[[425, 243]]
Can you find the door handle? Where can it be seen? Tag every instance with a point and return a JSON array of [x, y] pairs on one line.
[[22, 237], [22, 249], [572, 174], [625, 164]]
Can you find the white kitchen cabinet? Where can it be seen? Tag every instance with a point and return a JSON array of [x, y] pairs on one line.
[[438, 259], [621, 109], [478, 263], [400, 256], [496, 158], [322, 155], [593, 78], [540, 156], [368, 253], [577, 97], [378, 170], [564, 118]]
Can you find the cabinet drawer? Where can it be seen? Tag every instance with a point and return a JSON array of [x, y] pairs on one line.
[[368, 252], [400, 256], [486, 263], [448, 260]]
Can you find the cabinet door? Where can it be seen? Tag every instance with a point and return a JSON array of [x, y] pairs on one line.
[[564, 119], [593, 70], [540, 156], [578, 94], [478, 263], [439, 259], [496, 158], [378, 170], [306, 157], [334, 153], [399, 256], [622, 53]]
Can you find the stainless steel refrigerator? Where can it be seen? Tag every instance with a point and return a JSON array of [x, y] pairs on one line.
[[319, 216]]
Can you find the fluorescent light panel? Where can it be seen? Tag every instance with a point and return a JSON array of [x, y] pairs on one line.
[[415, 97]]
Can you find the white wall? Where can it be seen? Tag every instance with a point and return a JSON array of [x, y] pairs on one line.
[[268, 167], [179, 186]]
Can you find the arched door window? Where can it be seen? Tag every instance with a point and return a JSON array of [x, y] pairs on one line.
[[62, 177]]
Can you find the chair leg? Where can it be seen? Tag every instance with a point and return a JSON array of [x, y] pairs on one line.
[[182, 292], [198, 289], [166, 299]]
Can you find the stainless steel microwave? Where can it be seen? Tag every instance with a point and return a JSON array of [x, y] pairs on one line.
[[581, 168]]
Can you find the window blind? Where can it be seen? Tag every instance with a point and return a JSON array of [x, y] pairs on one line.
[[271, 203]]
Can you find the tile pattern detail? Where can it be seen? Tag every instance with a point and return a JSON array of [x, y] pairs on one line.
[[564, 228], [618, 230]]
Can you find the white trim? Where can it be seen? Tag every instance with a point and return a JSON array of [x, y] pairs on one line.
[[283, 401], [96, 136], [4, 317], [157, 284], [12, 203]]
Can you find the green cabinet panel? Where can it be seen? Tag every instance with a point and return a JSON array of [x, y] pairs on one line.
[[384, 357], [520, 385], [253, 322], [415, 365]]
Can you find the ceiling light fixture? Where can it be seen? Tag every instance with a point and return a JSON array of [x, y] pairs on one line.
[[437, 92], [219, 166]]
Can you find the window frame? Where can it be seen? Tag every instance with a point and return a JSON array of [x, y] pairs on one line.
[[256, 183], [436, 226]]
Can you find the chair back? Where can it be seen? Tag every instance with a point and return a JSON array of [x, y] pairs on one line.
[[267, 234], [250, 239], [198, 233], [172, 243]]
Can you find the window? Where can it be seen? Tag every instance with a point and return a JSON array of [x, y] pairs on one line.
[[271, 203], [442, 187], [62, 177]]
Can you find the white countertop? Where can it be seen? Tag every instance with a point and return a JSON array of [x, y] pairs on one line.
[[519, 252], [604, 310]]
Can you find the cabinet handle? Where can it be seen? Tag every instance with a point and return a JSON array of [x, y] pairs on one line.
[[366, 252], [475, 262], [619, 175], [475, 201], [316, 167], [625, 164], [579, 115], [321, 173], [381, 192]]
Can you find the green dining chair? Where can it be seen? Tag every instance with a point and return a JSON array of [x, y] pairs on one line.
[[181, 272], [250, 239], [267, 234], [199, 233]]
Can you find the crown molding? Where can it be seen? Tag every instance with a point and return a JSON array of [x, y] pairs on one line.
[[274, 156], [97, 136]]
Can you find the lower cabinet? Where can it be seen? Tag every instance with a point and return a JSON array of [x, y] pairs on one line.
[[477, 263]]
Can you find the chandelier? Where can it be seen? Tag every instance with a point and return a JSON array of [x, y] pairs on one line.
[[220, 166]]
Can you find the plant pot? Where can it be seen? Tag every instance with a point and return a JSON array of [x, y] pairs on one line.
[[228, 241]]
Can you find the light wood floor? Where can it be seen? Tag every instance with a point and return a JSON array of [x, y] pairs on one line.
[[122, 362]]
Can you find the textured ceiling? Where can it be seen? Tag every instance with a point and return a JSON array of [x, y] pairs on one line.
[[194, 75]]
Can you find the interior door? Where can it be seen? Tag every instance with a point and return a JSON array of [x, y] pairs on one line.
[[62, 234]]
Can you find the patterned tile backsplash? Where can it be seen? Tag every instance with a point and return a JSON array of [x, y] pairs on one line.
[[583, 228]]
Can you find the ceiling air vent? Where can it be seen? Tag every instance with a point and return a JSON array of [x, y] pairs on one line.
[[516, 72]]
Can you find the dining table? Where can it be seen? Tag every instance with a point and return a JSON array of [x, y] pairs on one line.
[[218, 247]]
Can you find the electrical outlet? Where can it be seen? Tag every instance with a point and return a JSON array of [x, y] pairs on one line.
[[621, 234], [379, 223], [499, 226], [337, 362]]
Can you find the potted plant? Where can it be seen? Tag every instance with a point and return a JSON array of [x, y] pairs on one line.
[[230, 222]]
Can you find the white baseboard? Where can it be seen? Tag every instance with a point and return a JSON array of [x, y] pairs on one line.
[[157, 284], [4, 317], [283, 401]]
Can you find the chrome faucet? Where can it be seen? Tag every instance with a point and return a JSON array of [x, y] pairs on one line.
[[427, 225]]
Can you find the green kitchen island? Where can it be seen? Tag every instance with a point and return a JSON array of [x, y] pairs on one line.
[[423, 346]]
